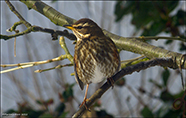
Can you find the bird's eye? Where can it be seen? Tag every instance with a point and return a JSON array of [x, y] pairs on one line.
[[79, 27]]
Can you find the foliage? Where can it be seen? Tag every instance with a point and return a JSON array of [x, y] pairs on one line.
[[153, 17], [170, 107], [66, 96]]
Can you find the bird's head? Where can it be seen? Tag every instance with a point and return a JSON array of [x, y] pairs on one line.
[[85, 28]]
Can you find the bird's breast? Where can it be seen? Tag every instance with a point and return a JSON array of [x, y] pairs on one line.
[[95, 61]]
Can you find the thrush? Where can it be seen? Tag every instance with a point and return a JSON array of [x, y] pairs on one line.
[[96, 57]]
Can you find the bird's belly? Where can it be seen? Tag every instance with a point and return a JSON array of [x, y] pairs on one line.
[[98, 76]]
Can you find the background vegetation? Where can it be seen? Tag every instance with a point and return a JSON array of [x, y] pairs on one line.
[[157, 92]]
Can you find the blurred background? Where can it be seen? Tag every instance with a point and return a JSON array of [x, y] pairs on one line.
[[52, 93]]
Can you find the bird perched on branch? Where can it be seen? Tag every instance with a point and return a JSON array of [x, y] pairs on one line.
[[96, 57]]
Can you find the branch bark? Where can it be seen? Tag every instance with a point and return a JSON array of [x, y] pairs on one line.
[[128, 44]]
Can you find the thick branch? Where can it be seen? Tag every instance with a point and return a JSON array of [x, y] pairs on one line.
[[60, 19], [148, 50], [129, 44], [125, 71], [55, 16]]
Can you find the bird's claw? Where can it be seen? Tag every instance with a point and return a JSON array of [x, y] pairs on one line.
[[84, 103], [110, 81]]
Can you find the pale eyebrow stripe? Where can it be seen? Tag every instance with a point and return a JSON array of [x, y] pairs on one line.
[[86, 24], [81, 24]]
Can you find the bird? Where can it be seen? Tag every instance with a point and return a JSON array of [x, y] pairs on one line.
[[96, 57]]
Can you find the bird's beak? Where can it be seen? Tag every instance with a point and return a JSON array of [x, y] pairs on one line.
[[69, 26]]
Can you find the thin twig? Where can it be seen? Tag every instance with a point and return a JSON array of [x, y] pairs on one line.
[[134, 59], [63, 45], [13, 28], [30, 29], [132, 62], [12, 8], [16, 68], [30, 64], [15, 47], [56, 67], [159, 37], [135, 95]]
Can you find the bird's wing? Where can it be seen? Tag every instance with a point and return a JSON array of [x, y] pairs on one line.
[[80, 83]]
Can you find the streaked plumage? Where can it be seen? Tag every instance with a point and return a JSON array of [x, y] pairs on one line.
[[96, 57]]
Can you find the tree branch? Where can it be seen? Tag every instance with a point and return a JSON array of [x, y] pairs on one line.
[[31, 28], [30, 64], [129, 44], [27, 24], [55, 16], [54, 33], [150, 51], [56, 67], [159, 37], [125, 71]]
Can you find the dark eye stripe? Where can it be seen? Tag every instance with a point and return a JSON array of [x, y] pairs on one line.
[[79, 27]]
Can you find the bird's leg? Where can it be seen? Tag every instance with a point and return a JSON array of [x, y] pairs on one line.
[[110, 81], [85, 98]]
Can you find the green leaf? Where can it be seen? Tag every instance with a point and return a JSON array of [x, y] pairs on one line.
[[168, 42], [165, 76], [118, 11], [173, 114], [146, 12], [166, 111], [147, 113], [156, 84], [121, 82], [49, 101], [103, 114], [46, 115], [64, 114], [182, 46], [68, 93], [53, 1], [179, 95], [155, 28], [60, 109], [181, 19], [11, 111], [39, 102], [122, 8], [166, 96], [35, 114]]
